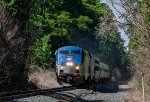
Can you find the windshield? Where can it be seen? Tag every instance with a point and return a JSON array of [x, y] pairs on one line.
[[71, 52], [75, 52], [64, 52]]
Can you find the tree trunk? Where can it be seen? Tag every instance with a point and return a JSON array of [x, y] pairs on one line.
[[14, 40]]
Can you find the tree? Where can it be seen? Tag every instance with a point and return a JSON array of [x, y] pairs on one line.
[[58, 22], [14, 39], [136, 26], [111, 46]]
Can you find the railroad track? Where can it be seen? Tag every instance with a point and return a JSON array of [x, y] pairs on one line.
[[74, 99], [7, 96]]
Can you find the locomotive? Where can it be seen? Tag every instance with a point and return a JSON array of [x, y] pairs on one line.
[[75, 65]]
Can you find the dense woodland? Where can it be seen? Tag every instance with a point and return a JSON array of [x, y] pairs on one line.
[[137, 27], [31, 31], [139, 32]]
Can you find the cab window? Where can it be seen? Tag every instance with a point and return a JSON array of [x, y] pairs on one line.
[[64, 52], [75, 52]]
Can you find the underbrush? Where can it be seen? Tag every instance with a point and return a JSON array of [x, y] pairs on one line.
[[43, 78], [136, 93]]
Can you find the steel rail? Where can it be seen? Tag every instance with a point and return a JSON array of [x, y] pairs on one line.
[[7, 96]]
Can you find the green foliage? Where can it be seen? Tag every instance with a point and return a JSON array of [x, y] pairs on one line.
[[113, 52], [64, 19], [56, 21], [132, 44], [16, 8], [145, 10], [52, 24], [41, 51], [94, 10], [84, 22]]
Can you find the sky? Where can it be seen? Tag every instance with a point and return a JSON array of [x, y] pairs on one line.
[[117, 10]]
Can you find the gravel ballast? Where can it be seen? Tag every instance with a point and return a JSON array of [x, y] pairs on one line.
[[101, 94]]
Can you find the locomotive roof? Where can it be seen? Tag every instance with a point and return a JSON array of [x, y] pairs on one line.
[[70, 48]]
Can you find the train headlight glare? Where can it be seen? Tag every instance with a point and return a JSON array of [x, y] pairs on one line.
[[77, 68], [61, 68], [71, 64], [68, 63]]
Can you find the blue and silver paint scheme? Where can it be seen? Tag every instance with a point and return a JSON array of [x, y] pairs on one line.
[[68, 60]]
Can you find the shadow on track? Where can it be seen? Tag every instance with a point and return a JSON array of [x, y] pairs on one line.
[[108, 88], [70, 97]]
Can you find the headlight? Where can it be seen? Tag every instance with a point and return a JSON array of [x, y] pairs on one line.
[[77, 68], [68, 63], [71, 64], [61, 68]]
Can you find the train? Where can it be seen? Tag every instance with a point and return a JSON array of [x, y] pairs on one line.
[[76, 66]]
